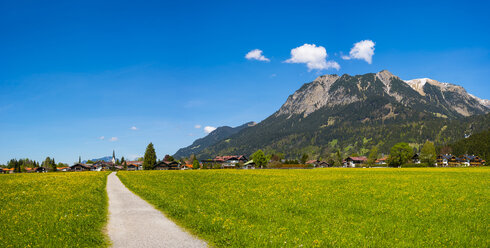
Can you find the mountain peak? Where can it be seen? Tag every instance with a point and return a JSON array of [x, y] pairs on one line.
[[385, 73], [331, 90]]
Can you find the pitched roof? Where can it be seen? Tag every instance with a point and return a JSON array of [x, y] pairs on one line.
[[134, 162], [361, 158], [229, 157]]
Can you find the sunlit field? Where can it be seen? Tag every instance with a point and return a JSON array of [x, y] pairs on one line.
[[53, 210], [324, 207]]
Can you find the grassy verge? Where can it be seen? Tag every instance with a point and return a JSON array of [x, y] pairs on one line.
[[53, 210], [324, 207]]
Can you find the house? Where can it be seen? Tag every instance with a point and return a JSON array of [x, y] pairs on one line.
[[41, 169], [381, 161], [187, 166], [354, 161], [102, 166], [476, 161], [224, 162], [63, 168], [453, 161], [80, 167], [230, 161], [134, 165], [416, 158], [7, 170], [167, 165], [464, 160], [323, 164], [30, 170], [442, 160], [249, 165]]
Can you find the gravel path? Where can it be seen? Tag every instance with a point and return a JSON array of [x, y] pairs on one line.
[[135, 223]]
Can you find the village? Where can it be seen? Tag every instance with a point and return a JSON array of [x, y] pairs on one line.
[[241, 162]]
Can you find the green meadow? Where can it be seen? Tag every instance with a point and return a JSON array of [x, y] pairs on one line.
[[324, 207], [53, 210]]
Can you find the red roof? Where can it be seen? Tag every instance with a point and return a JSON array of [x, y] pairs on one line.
[[361, 158], [134, 162], [225, 158]]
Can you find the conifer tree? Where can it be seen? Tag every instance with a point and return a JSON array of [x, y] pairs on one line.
[[150, 157]]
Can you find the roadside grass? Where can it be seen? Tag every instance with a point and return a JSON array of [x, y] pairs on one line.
[[53, 210], [385, 207]]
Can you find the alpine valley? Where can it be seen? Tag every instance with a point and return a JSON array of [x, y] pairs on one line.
[[351, 114]]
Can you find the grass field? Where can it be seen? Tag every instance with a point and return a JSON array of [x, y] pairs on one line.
[[53, 210], [324, 207]]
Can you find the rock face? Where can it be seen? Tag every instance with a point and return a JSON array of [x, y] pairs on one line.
[[332, 90]]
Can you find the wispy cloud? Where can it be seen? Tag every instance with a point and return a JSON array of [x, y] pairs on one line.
[[114, 139], [256, 54], [197, 126], [315, 57], [101, 137], [134, 128], [363, 50], [209, 129]]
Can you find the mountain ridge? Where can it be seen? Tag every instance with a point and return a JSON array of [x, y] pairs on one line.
[[354, 113], [215, 136]]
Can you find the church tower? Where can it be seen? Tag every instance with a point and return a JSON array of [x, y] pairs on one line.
[[113, 157]]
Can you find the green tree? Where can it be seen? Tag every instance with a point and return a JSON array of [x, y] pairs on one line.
[[373, 155], [304, 158], [259, 158], [122, 160], [150, 157], [338, 158], [195, 164], [400, 154], [168, 158], [428, 153]]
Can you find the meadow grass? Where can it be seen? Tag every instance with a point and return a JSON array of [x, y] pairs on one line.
[[416, 207], [53, 210]]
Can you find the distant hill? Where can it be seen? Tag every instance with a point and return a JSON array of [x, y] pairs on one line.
[[220, 134], [105, 159], [354, 113]]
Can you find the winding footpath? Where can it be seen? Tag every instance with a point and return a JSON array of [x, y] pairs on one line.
[[135, 223]]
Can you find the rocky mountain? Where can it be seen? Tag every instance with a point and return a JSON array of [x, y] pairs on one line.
[[354, 113], [333, 90], [220, 134]]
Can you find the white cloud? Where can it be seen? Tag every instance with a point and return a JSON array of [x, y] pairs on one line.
[[134, 128], [257, 55], [101, 137], [114, 139], [197, 126], [209, 129], [315, 57], [362, 50]]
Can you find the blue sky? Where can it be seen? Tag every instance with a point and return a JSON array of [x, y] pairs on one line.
[[74, 72]]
